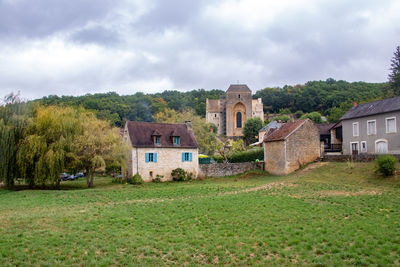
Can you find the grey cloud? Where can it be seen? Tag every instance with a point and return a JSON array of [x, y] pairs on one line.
[[97, 35]]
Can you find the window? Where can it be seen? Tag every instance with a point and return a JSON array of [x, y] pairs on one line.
[[239, 120], [157, 140], [355, 128], [391, 125], [151, 174], [215, 115], [186, 156], [354, 148], [381, 146], [363, 146], [176, 140], [371, 127], [151, 157], [239, 96]]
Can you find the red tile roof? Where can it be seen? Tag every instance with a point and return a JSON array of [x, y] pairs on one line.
[[284, 131], [140, 134]]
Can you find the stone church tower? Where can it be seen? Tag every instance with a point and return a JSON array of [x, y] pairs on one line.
[[230, 113]]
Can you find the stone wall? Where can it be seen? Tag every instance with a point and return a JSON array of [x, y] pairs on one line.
[[275, 157], [227, 169], [357, 158]]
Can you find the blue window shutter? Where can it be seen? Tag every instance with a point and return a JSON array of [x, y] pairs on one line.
[[190, 156], [183, 156], [155, 157], [147, 157]]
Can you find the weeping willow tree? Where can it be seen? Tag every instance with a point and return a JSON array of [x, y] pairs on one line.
[[48, 147], [13, 121], [98, 146]]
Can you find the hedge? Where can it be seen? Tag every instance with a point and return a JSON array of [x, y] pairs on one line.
[[245, 156]]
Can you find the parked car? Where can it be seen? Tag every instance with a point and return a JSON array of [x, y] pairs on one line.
[[79, 175], [63, 176]]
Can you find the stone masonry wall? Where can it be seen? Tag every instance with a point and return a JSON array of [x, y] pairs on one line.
[[275, 157], [227, 169]]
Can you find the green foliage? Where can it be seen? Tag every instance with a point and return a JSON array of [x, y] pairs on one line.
[[285, 111], [394, 76], [251, 128], [136, 179], [180, 174], [247, 156], [318, 96], [385, 165], [283, 118], [158, 178], [299, 113], [314, 116], [13, 120]]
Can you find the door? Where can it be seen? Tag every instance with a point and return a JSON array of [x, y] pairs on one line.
[[354, 148]]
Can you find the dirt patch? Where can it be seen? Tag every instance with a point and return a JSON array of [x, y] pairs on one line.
[[311, 167], [347, 194]]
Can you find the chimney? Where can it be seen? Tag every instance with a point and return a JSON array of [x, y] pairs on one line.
[[354, 104], [189, 125]]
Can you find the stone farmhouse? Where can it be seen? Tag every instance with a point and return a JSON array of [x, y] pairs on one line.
[[230, 113], [372, 128], [158, 148], [291, 146]]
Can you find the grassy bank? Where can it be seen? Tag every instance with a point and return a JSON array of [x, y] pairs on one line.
[[331, 214]]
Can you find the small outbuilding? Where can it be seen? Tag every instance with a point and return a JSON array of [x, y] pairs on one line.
[[291, 146]]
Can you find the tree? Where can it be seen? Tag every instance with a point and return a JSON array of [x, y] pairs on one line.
[[394, 76], [251, 128], [314, 116], [204, 132], [13, 121], [98, 146], [48, 146]]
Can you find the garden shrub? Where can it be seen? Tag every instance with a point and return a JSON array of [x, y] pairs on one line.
[[385, 165], [179, 174], [136, 179], [247, 156], [158, 178]]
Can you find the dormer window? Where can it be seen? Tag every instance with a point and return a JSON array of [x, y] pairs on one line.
[[176, 140], [157, 140]]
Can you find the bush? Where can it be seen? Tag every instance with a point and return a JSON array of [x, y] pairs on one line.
[[181, 175], [158, 178], [385, 165], [136, 179], [247, 156]]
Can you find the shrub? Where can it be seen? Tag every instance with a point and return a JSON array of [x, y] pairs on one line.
[[158, 178], [179, 174], [136, 179], [385, 165], [247, 156]]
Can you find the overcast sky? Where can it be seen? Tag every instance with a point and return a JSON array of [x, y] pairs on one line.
[[74, 47]]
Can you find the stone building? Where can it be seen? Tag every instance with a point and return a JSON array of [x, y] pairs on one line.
[[231, 112], [291, 146], [158, 148]]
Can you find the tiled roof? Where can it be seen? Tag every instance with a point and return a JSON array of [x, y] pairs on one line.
[[213, 105], [284, 131], [140, 134], [372, 108], [239, 88]]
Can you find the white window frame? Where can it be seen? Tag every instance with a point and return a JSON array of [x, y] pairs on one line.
[[368, 129], [358, 129], [381, 140], [395, 125], [358, 146], [361, 147]]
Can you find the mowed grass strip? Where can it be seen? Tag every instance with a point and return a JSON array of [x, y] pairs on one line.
[[329, 214]]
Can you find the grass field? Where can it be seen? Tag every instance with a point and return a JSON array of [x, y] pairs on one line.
[[327, 214]]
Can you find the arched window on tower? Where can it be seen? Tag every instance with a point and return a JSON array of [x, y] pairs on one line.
[[239, 120]]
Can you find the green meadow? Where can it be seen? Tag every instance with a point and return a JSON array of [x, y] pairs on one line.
[[326, 214]]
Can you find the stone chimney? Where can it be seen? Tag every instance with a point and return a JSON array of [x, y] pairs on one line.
[[189, 125], [354, 104]]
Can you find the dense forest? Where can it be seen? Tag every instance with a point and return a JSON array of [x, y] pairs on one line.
[[326, 97]]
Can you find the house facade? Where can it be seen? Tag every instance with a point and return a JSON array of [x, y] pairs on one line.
[[230, 113], [291, 146], [155, 149], [372, 128]]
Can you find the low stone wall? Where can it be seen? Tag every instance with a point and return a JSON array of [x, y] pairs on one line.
[[227, 169], [357, 158]]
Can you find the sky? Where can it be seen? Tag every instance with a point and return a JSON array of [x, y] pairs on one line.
[[71, 47]]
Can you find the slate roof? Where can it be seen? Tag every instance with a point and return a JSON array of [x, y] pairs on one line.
[[372, 108], [284, 131], [272, 124], [140, 134], [238, 88], [324, 128]]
